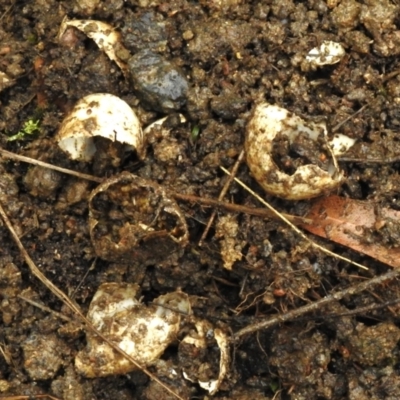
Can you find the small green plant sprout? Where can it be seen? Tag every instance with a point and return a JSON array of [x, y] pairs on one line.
[[194, 134], [30, 127]]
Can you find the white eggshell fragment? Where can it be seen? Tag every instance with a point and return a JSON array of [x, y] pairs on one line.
[[223, 344], [104, 35], [5, 81], [199, 338], [159, 125], [141, 331], [270, 122], [100, 114], [326, 54], [341, 144]]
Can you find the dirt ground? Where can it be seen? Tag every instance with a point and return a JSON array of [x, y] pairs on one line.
[[229, 55]]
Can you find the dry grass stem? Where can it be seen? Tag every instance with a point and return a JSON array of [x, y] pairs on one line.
[[29, 160], [44, 308], [222, 195]]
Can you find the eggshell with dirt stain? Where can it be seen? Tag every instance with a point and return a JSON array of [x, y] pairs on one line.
[[308, 180], [102, 115], [143, 332]]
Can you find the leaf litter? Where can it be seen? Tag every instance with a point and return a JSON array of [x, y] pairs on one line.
[[359, 225]]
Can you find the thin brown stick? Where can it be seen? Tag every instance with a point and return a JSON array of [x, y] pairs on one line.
[[222, 195], [8, 10], [74, 307], [6, 354], [36, 396], [389, 160], [390, 75], [338, 126], [29, 160], [91, 268], [45, 308], [291, 315], [260, 212], [363, 310]]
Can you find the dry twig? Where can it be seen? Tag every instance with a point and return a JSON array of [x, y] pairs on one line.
[[36, 396], [260, 212], [13, 156], [222, 195], [291, 315]]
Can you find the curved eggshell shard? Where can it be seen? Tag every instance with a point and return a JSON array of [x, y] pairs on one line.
[[308, 180], [100, 114], [158, 124], [141, 331], [327, 53], [340, 144], [134, 220], [199, 339], [103, 34]]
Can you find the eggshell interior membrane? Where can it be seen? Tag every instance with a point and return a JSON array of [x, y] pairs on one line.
[[100, 114], [308, 180]]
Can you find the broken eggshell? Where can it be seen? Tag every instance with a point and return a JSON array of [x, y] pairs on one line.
[[5, 81], [201, 341], [270, 122], [104, 35], [99, 115], [327, 53], [133, 220], [141, 331], [158, 124]]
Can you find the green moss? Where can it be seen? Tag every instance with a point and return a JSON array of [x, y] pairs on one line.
[[30, 127], [32, 38]]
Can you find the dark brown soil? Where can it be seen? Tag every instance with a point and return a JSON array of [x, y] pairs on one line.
[[231, 54]]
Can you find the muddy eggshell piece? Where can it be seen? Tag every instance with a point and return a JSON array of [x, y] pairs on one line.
[[42, 355], [143, 332], [167, 148], [42, 182], [341, 144], [102, 115], [308, 180], [134, 220], [199, 338], [327, 53], [103, 34]]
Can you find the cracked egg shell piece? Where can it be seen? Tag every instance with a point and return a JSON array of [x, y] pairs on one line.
[[327, 53], [198, 338], [100, 114], [223, 343], [143, 332], [103, 34], [308, 180]]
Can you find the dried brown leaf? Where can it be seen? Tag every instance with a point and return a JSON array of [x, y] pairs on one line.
[[359, 225]]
